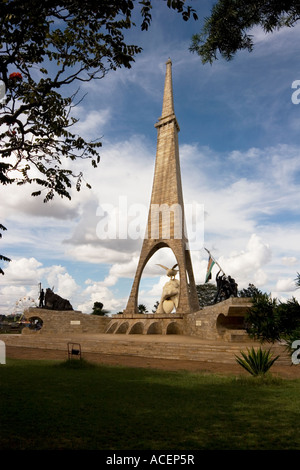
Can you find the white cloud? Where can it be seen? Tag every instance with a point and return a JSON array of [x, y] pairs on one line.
[[21, 280], [23, 277], [11, 297], [289, 260], [157, 288], [285, 285], [246, 266], [121, 270], [97, 292], [237, 205], [116, 185], [23, 270], [90, 124], [276, 41], [97, 254], [231, 206], [62, 282]]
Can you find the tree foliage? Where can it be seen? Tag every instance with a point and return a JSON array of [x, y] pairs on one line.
[[48, 48], [2, 257], [98, 309], [271, 320], [206, 294], [142, 308], [228, 28], [250, 291]]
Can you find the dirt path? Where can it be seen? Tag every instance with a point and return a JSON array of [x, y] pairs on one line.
[[287, 372]]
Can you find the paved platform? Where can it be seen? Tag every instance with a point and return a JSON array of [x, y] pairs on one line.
[[169, 347]]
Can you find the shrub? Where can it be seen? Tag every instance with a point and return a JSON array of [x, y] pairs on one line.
[[271, 320], [256, 362], [288, 317], [261, 319], [290, 338]]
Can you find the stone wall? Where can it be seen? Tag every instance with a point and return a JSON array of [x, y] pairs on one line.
[[224, 320], [71, 321]]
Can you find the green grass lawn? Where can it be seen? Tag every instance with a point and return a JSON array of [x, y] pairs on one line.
[[52, 405]]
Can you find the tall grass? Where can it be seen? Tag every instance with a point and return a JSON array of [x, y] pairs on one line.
[[53, 405]]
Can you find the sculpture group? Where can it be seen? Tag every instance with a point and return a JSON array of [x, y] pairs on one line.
[[226, 287], [53, 301]]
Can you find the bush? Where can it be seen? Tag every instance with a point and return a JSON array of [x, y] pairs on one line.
[[256, 362], [271, 320], [290, 338], [288, 317], [261, 320]]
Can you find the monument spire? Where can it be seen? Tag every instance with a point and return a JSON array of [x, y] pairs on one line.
[[166, 187], [166, 221], [168, 100]]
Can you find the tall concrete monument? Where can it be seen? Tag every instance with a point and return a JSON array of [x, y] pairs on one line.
[[166, 220]]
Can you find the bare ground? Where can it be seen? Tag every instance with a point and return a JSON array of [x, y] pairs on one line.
[[13, 352]]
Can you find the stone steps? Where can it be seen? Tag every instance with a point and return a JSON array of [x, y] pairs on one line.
[[162, 347]]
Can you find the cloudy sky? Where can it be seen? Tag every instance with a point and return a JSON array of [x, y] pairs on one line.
[[240, 162]]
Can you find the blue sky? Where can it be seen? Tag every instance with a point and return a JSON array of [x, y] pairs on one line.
[[240, 159]]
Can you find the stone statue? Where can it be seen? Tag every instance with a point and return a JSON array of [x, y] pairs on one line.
[[170, 272], [233, 286], [170, 297], [41, 298], [226, 287], [55, 302], [170, 293]]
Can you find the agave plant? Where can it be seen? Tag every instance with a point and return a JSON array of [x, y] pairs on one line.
[[256, 362]]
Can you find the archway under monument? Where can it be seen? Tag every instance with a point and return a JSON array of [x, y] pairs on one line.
[[179, 259], [153, 278]]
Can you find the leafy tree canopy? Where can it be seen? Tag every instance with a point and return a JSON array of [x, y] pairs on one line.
[[142, 308], [2, 257], [250, 291], [206, 294], [271, 320], [46, 46], [98, 309], [228, 29]]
